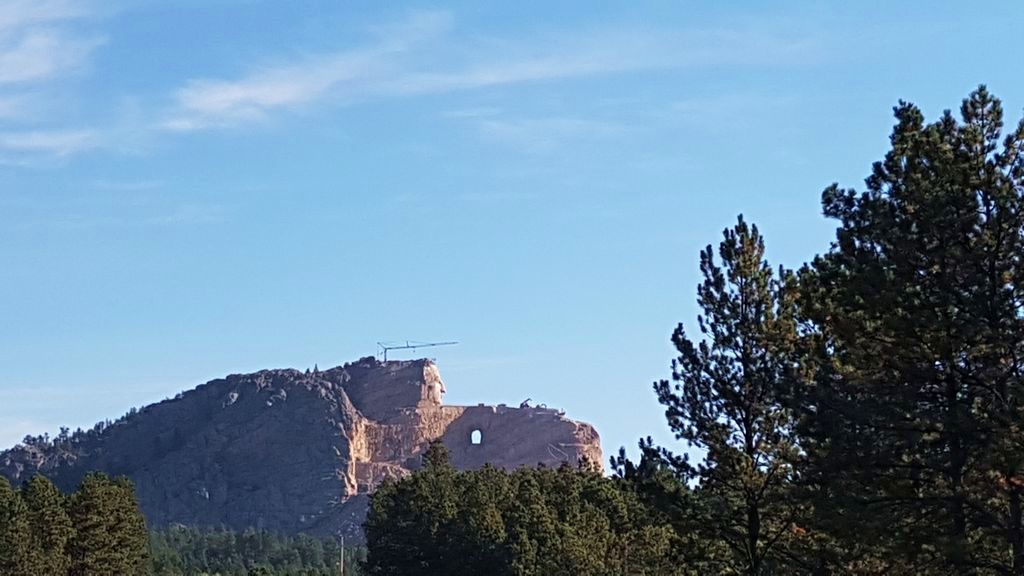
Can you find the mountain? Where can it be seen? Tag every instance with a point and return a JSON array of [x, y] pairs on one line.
[[296, 451]]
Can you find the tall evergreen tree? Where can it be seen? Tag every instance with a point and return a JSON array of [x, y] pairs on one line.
[[110, 533], [914, 422], [131, 524], [726, 400], [51, 528], [15, 534]]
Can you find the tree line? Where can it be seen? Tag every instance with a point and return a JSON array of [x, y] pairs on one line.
[[97, 530], [496, 522], [185, 551], [861, 414]]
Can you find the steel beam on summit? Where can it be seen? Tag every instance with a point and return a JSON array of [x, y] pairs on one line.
[[384, 347]]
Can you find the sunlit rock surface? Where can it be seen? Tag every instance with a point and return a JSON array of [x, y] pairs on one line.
[[299, 451]]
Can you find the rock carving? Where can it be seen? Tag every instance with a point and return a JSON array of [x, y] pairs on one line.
[[299, 451]]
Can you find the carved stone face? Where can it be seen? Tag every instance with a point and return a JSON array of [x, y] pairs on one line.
[[435, 386], [435, 392]]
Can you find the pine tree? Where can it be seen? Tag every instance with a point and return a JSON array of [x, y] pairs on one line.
[[914, 423], [726, 400], [51, 528], [15, 534], [134, 536], [110, 533]]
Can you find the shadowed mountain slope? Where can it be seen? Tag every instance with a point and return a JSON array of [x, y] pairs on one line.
[[297, 452]]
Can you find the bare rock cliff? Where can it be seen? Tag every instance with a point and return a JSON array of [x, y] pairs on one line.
[[298, 452]]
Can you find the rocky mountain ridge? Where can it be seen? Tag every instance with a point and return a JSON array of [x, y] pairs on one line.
[[298, 451]]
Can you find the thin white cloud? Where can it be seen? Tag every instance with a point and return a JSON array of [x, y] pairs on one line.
[[420, 57], [42, 54], [42, 42], [39, 39], [49, 142], [126, 132], [208, 103], [19, 13]]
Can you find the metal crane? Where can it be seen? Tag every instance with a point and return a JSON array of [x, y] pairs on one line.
[[383, 347]]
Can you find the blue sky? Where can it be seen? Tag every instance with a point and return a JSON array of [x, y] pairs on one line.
[[195, 188]]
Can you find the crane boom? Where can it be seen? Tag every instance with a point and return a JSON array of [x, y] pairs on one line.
[[384, 347]]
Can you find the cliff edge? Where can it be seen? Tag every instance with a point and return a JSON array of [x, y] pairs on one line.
[[295, 451]]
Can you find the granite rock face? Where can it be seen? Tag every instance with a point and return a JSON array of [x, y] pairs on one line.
[[298, 452]]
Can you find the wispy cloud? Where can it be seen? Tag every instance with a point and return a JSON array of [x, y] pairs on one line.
[[53, 142], [41, 44], [217, 103], [422, 56], [126, 132], [42, 54], [19, 13], [209, 103], [43, 41], [37, 43]]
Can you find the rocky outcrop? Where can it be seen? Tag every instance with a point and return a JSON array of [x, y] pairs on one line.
[[298, 451]]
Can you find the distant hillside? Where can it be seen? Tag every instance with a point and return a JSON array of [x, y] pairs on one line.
[[296, 452]]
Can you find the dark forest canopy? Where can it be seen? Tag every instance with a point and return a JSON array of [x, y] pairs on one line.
[[98, 529], [528, 521], [183, 551]]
